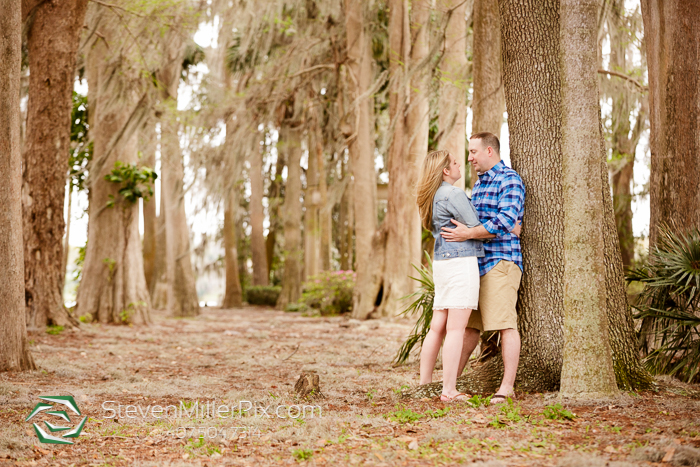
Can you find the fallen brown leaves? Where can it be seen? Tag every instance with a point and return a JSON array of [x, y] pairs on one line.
[[254, 354]]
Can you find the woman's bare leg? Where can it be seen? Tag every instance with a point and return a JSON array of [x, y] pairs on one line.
[[452, 351], [431, 346]]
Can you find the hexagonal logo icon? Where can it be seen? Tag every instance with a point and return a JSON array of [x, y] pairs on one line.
[[52, 407]]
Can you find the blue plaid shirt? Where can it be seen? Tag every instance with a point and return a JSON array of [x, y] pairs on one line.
[[499, 199]]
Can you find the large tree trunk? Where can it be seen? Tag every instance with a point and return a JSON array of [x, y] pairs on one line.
[[418, 117], [159, 288], [274, 199], [452, 119], [290, 143], [624, 136], [672, 35], [257, 216], [52, 39], [148, 148], [14, 350], [312, 208], [325, 221], [489, 101], [533, 98], [361, 146], [233, 294], [113, 285], [587, 369], [384, 282], [346, 230], [182, 289]]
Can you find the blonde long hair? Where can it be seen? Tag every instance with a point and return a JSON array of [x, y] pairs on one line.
[[428, 184]]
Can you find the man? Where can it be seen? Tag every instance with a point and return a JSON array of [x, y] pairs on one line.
[[499, 197]]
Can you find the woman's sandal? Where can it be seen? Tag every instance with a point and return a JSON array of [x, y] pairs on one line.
[[459, 397], [500, 398]]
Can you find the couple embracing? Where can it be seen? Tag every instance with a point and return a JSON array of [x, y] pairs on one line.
[[477, 262]]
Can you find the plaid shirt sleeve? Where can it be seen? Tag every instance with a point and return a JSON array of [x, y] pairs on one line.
[[510, 205]]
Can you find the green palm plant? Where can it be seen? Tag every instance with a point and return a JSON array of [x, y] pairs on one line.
[[423, 305], [669, 305]]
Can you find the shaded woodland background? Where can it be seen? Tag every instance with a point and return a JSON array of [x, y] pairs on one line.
[[299, 132]]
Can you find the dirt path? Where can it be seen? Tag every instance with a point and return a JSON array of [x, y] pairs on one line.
[[242, 364]]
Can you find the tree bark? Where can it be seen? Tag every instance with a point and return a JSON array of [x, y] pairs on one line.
[[587, 369], [624, 144], [489, 101], [182, 289], [14, 349], [452, 119], [274, 199], [233, 295], [159, 288], [418, 117], [346, 230], [672, 34], [148, 150], [113, 285], [361, 145], [312, 208], [66, 240], [533, 99], [325, 222], [383, 284], [257, 216], [290, 139], [52, 40]]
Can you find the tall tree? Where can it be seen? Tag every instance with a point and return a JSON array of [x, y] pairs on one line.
[[489, 100], [53, 33], [147, 144], [361, 136], [418, 115], [533, 100], [672, 35], [182, 290], [290, 143], [233, 294], [382, 284], [626, 97], [257, 216], [113, 285], [452, 119], [233, 157], [587, 369], [14, 349]]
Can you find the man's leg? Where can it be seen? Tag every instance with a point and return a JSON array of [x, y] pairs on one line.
[[510, 347], [471, 340]]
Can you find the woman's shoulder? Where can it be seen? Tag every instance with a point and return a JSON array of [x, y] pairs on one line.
[[446, 192]]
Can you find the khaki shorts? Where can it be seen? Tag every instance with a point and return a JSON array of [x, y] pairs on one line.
[[498, 295]]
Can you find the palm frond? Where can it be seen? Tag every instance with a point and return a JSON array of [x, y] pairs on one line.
[[669, 305]]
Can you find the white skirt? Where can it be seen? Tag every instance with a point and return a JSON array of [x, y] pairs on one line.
[[456, 283]]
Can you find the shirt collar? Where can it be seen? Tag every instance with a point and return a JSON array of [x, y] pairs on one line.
[[444, 183], [495, 170]]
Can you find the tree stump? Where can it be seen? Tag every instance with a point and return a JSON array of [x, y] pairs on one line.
[[308, 386]]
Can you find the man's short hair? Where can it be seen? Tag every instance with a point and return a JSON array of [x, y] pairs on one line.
[[489, 139]]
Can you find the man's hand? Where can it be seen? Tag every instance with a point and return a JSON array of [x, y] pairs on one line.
[[517, 229], [457, 234]]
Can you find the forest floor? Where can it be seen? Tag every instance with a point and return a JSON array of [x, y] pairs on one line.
[[244, 363]]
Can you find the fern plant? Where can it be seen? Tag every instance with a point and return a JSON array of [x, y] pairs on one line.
[[669, 305], [422, 305]]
